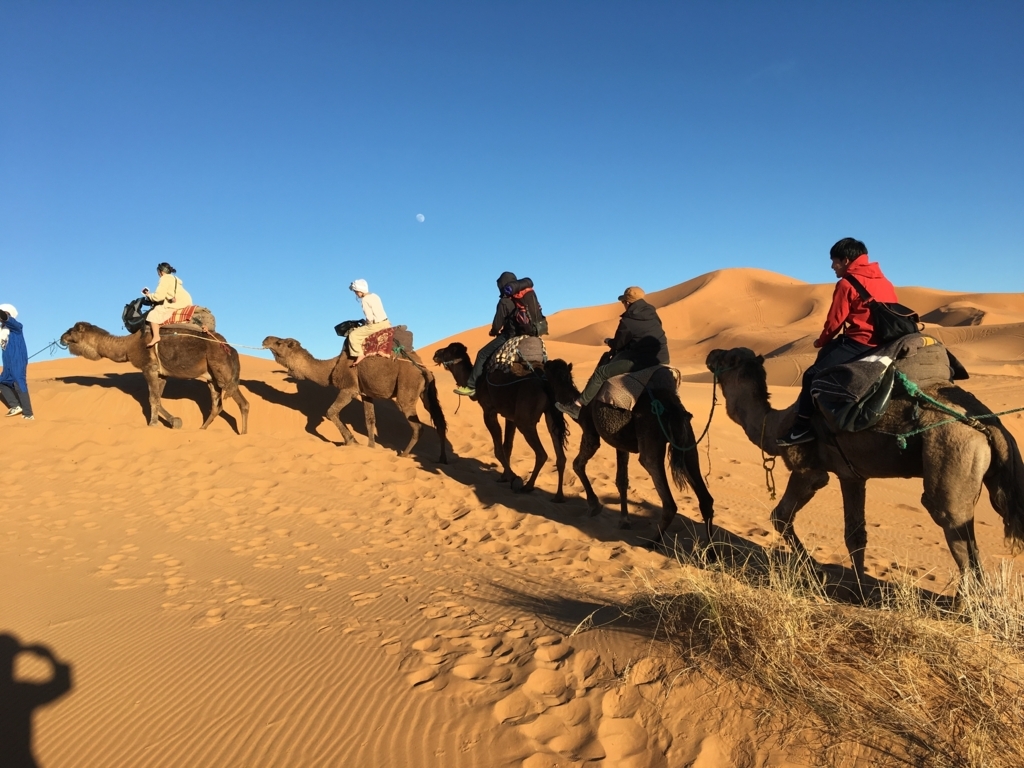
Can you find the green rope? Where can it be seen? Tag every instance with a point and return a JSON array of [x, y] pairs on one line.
[[915, 391], [658, 409]]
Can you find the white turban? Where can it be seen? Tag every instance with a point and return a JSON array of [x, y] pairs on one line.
[[9, 309], [359, 285]]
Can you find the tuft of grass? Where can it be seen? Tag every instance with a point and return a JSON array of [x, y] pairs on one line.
[[903, 681]]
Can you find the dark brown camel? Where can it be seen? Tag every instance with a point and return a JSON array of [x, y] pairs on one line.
[[954, 460], [183, 353], [375, 377], [520, 398], [640, 431]]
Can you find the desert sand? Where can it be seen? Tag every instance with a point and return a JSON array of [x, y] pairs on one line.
[[275, 599]]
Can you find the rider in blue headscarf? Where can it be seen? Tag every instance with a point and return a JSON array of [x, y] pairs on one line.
[[13, 386]]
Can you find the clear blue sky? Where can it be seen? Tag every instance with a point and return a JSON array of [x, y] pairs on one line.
[[273, 152]]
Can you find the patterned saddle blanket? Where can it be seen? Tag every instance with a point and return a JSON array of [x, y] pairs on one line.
[[394, 342], [518, 349], [192, 315], [623, 391]]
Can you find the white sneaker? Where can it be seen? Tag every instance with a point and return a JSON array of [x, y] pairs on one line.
[[14, 411], [30, 418]]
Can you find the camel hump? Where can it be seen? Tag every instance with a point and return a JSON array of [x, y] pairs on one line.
[[624, 390]]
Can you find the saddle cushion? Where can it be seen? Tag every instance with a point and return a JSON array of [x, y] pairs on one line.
[[518, 349], [380, 343], [623, 391], [193, 315]]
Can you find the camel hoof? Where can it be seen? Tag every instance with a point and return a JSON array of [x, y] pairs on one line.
[[517, 485], [175, 423]]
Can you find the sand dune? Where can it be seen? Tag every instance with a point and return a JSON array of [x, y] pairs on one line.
[[274, 599]]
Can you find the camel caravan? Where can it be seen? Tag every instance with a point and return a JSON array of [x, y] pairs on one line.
[[881, 400]]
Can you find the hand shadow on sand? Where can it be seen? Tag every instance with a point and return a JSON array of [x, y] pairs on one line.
[[20, 698], [134, 384]]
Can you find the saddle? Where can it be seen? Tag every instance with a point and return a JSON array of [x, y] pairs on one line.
[[855, 395], [394, 342], [623, 391], [192, 315], [528, 351]]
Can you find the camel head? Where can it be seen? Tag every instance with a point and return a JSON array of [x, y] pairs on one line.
[[559, 374], [733, 365], [452, 354], [282, 349], [81, 339]]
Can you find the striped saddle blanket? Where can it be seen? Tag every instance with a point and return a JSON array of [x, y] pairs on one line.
[[623, 391], [193, 314]]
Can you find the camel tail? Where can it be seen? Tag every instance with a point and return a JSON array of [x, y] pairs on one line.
[[1005, 483], [433, 406], [675, 422]]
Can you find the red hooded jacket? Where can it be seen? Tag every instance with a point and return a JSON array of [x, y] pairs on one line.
[[848, 309]]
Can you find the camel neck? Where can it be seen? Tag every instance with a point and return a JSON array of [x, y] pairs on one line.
[[760, 422]]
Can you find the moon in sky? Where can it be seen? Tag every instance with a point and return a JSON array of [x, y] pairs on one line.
[[420, 218]]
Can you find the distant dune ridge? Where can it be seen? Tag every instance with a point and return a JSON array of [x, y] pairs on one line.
[[274, 599]]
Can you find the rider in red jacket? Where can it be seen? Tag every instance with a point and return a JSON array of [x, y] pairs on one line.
[[848, 314]]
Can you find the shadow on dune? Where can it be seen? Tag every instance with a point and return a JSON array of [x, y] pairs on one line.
[[134, 384], [20, 698]]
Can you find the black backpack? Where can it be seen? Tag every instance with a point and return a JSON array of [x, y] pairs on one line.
[[134, 315], [346, 327], [529, 316], [891, 320]]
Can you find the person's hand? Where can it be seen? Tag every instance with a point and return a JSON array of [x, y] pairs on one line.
[[145, 291]]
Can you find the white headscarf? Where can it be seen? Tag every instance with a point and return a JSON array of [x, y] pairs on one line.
[[359, 285], [4, 332]]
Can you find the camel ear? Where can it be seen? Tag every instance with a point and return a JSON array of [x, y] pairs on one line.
[[760, 359], [570, 367]]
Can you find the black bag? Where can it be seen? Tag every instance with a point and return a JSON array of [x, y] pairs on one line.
[[134, 316], [346, 327], [529, 316], [891, 320]]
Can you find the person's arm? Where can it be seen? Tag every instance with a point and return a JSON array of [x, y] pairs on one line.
[[837, 313], [501, 313], [373, 308], [623, 337], [10, 323], [165, 289]]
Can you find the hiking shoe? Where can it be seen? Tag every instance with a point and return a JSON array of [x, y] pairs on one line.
[[798, 435], [467, 391], [14, 411], [30, 418], [569, 410]]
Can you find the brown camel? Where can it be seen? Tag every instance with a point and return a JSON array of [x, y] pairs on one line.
[[384, 377], [643, 431], [520, 398], [183, 353], [954, 460]]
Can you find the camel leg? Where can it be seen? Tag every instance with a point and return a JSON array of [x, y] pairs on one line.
[[800, 489], [491, 422], [533, 439], [370, 415], [559, 457], [156, 408], [855, 530], [589, 443], [412, 416], [233, 392], [216, 404], [654, 462], [506, 446], [952, 486], [622, 485], [333, 413]]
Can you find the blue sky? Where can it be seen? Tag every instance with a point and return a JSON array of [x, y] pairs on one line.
[[273, 152]]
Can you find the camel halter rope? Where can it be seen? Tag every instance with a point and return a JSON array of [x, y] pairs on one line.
[[972, 421], [768, 462]]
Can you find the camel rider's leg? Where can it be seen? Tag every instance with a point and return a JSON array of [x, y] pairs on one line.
[[155, 328], [601, 374], [838, 351], [482, 357], [358, 336]]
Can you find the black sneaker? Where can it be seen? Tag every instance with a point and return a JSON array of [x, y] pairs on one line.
[[798, 435], [570, 410]]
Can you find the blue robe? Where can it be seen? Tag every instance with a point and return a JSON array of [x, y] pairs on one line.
[[15, 356]]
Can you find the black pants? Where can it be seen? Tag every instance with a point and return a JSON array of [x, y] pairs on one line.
[[838, 351], [482, 357], [15, 395]]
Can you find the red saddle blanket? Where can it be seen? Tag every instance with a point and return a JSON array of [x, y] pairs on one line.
[[381, 343], [183, 315]]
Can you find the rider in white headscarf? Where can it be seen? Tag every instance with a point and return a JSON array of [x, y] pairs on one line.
[[376, 318]]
